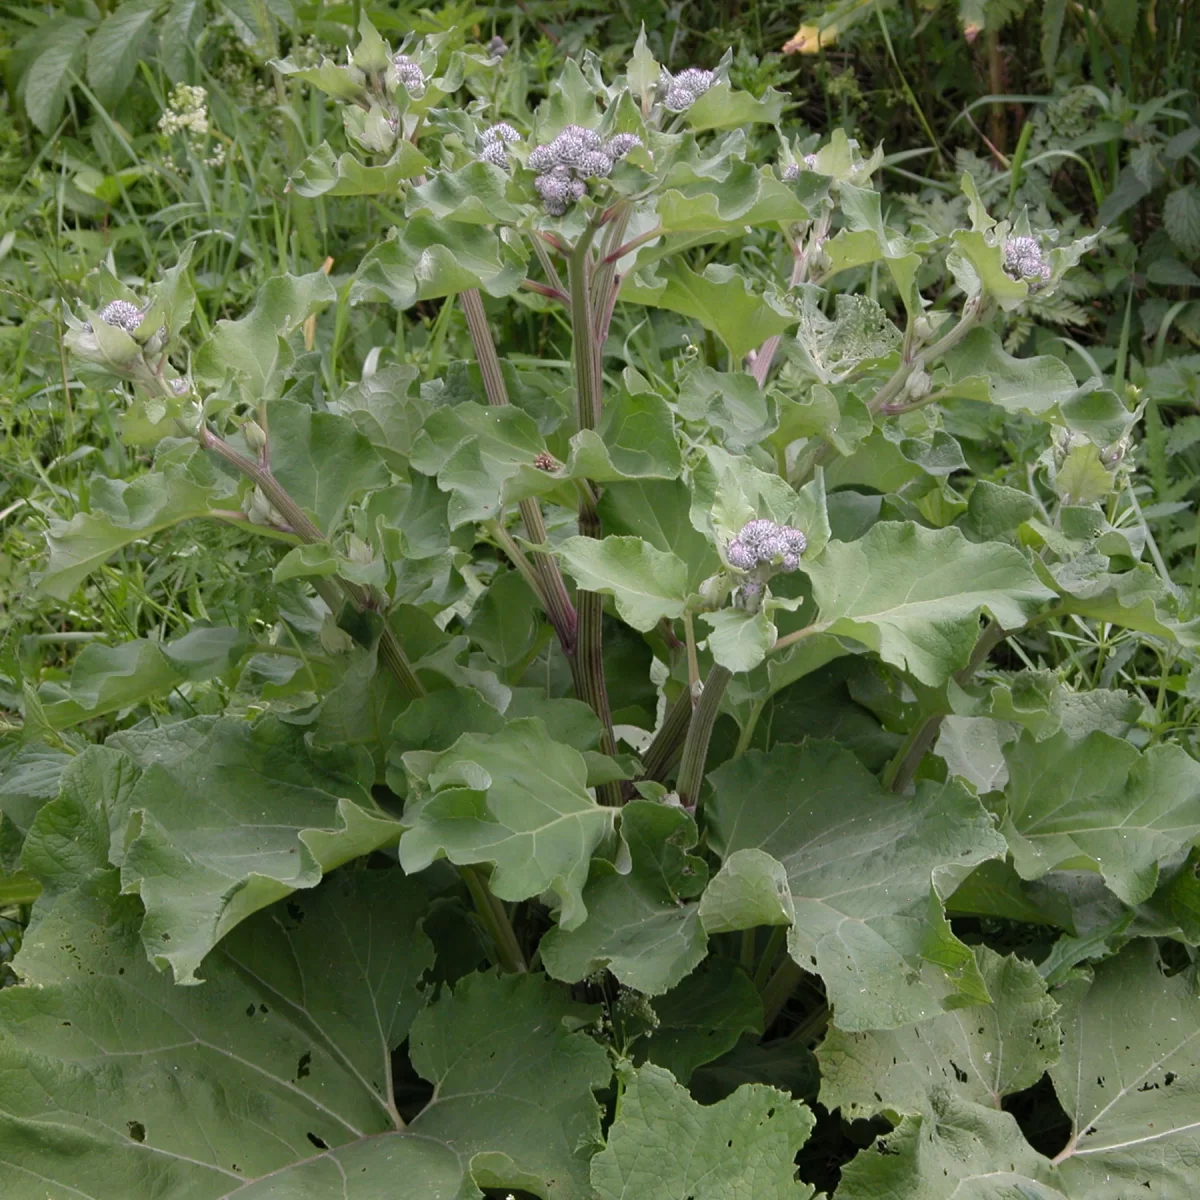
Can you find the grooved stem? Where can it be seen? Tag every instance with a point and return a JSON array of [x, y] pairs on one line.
[[665, 749], [695, 748], [495, 919]]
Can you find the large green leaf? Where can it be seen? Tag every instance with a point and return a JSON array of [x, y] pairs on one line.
[[484, 457], [663, 1145], [719, 298], [982, 1053], [658, 512], [124, 513], [647, 584], [1099, 804], [861, 870], [322, 460], [721, 107], [241, 821], [249, 353], [914, 595], [636, 440], [639, 925], [1129, 1079], [959, 1151], [323, 175], [515, 799], [427, 260], [513, 1077], [702, 1017], [107, 678], [120, 1083]]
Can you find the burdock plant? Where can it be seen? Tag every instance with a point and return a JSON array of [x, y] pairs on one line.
[[640, 655]]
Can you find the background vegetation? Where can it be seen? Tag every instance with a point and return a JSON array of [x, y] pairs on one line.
[[134, 128]]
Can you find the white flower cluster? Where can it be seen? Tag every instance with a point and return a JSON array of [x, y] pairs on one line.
[[1023, 259], [576, 155], [410, 75], [187, 113], [764, 543], [680, 92], [492, 142]]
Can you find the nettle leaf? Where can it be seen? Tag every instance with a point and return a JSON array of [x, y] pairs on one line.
[[243, 820], [719, 298], [514, 799], [647, 584], [321, 174], [322, 460], [1099, 804], [125, 512], [427, 260], [664, 1145], [982, 1053], [248, 353], [703, 1017], [1129, 1079], [914, 595], [639, 925], [864, 872]]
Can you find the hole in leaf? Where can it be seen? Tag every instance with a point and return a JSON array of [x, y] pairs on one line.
[[320, 1143], [302, 1071], [1041, 1117], [137, 1131]]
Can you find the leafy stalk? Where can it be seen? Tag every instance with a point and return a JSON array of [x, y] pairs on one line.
[[900, 771], [588, 661], [695, 748], [546, 580], [491, 912], [390, 650]]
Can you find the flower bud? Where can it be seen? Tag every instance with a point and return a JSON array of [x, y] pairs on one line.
[[255, 435], [919, 384]]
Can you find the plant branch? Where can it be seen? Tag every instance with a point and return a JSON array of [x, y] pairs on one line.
[[546, 579], [390, 650], [779, 989], [495, 919], [543, 289], [613, 256], [695, 748], [900, 771]]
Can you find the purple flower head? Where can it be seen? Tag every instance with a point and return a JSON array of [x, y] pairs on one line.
[[1023, 259], [620, 145], [410, 75], [764, 543], [595, 164], [681, 91], [494, 153], [122, 315], [502, 132], [791, 171]]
